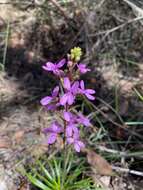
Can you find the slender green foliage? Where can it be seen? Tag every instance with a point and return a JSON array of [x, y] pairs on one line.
[[60, 174], [138, 94]]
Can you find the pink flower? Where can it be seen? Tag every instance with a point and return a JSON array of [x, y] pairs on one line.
[[53, 132], [83, 120], [71, 130], [50, 102], [55, 68], [82, 68], [86, 92], [69, 117], [78, 144], [72, 134], [70, 92]]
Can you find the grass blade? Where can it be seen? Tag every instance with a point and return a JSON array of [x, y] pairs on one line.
[[37, 182]]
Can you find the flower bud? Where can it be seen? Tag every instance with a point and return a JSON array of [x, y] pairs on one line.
[[76, 54]]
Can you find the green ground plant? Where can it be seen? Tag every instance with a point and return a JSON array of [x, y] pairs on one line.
[[59, 173]]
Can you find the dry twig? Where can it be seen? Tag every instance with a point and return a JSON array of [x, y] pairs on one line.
[[126, 170]]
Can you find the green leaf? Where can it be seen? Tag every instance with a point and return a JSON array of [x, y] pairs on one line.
[[45, 171], [85, 183], [138, 94], [73, 176], [57, 171], [37, 182], [51, 167], [47, 182], [50, 181]]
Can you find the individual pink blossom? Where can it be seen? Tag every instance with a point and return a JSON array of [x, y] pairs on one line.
[[87, 92], [69, 117], [83, 120], [78, 144], [70, 92], [55, 67], [53, 132], [76, 119], [82, 68], [50, 102], [71, 130], [72, 134]]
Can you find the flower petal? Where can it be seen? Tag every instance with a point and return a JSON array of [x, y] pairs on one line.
[[61, 63], [70, 99], [56, 127], [87, 122], [90, 97], [47, 130], [90, 91], [63, 99], [83, 120], [81, 144], [45, 68], [51, 107], [76, 133], [55, 91], [82, 85], [82, 68], [75, 87], [70, 140], [67, 84], [49, 66], [46, 100], [67, 116], [58, 72], [69, 131], [76, 147], [52, 138]]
